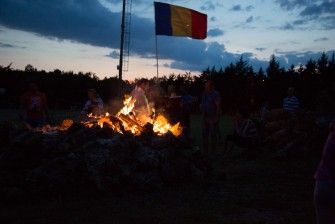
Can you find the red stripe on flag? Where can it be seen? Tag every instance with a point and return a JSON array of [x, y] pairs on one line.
[[199, 25]]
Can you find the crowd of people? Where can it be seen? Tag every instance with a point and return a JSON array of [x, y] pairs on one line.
[[178, 106]]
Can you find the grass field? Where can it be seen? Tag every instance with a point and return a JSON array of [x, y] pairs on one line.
[[257, 188]]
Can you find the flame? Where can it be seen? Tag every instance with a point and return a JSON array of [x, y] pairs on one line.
[[129, 121], [161, 126], [176, 129], [129, 104]]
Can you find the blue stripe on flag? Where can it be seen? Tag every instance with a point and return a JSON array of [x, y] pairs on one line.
[[163, 19]]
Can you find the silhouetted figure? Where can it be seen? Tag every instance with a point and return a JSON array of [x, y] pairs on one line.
[[141, 105], [324, 193], [264, 112], [186, 104], [171, 91], [94, 105], [290, 107], [33, 106], [245, 131], [291, 102], [211, 111]]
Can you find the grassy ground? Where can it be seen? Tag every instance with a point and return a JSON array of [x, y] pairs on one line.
[[256, 189]]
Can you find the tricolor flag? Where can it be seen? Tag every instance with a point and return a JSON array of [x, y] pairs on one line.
[[172, 20]]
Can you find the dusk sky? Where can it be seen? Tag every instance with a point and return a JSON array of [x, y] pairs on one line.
[[83, 35]]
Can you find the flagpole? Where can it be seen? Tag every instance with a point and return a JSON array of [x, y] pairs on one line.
[[120, 66], [156, 56]]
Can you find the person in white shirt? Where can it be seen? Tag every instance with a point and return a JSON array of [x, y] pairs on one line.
[[94, 105], [141, 105]]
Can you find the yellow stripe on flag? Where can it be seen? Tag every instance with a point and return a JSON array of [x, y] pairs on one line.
[[181, 21]]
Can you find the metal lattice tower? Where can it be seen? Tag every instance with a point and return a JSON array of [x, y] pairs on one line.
[[127, 22], [125, 37]]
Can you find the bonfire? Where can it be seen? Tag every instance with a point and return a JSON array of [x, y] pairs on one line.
[[127, 120]]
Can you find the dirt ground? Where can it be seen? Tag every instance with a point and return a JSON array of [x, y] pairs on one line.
[[245, 187]]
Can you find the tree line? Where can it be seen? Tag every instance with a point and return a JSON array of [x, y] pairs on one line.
[[238, 83]]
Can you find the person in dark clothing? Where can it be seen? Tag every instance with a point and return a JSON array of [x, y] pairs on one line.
[[186, 103], [33, 105], [245, 133], [211, 112]]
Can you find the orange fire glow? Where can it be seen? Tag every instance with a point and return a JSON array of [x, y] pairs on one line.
[[133, 122]]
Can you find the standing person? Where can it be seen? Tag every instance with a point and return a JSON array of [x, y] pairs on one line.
[[33, 106], [324, 192], [211, 111], [291, 102], [264, 112], [94, 105], [290, 107], [186, 103], [141, 105]]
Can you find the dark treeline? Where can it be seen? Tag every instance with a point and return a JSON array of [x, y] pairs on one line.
[[64, 90], [238, 84]]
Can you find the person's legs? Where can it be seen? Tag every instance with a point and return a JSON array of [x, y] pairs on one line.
[[229, 138], [186, 124], [214, 132], [324, 200], [205, 136]]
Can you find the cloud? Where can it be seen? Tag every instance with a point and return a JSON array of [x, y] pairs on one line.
[[292, 4], [318, 14], [114, 54], [208, 6], [287, 26], [318, 9], [327, 22], [236, 8], [6, 45], [213, 19], [260, 49], [89, 22], [118, 1], [240, 8], [288, 58], [249, 8], [321, 39], [299, 22], [215, 32], [250, 19]]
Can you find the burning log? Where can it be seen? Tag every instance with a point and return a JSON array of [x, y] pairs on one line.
[[90, 157], [131, 124], [103, 151]]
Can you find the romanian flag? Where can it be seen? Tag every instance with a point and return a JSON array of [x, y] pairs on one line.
[[172, 20]]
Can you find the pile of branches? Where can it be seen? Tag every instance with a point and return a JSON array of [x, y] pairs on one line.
[[81, 158]]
